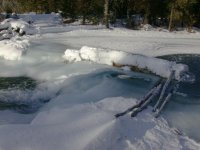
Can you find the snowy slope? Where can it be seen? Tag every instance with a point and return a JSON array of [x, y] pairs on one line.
[[93, 127]]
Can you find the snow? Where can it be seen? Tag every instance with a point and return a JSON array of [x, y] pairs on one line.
[[20, 25], [23, 26], [92, 126], [158, 66], [148, 43], [83, 96], [6, 23], [42, 20], [13, 49]]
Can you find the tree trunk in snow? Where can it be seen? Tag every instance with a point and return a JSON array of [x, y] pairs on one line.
[[128, 14], [106, 13], [171, 18], [84, 18], [146, 19]]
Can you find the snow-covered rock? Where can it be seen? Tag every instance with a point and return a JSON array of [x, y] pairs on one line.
[[18, 26], [147, 27], [102, 56], [6, 23], [13, 49], [23, 27]]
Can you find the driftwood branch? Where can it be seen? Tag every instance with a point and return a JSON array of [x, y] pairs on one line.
[[133, 68]]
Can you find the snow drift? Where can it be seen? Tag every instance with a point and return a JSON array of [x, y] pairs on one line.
[[93, 127], [13, 49], [111, 57]]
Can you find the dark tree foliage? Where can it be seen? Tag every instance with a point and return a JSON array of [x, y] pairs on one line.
[[172, 13]]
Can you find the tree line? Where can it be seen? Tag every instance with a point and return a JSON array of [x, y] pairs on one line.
[[171, 13]]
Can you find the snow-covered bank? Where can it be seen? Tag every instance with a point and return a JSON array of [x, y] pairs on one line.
[[19, 26], [74, 119], [93, 127], [158, 66], [42, 20], [148, 43], [68, 28], [13, 49]]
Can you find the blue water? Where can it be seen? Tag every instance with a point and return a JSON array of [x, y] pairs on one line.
[[183, 110]]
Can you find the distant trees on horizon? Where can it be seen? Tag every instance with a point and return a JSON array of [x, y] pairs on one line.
[[171, 13]]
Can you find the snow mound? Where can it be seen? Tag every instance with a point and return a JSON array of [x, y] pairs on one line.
[[18, 25], [13, 49], [147, 27], [23, 27], [158, 66], [93, 126]]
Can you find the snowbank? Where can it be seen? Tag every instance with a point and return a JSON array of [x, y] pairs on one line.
[[18, 25], [13, 49], [23, 27], [42, 19], [93, 126], [158, 66]]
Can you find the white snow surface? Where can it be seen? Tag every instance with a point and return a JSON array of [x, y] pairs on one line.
[[20, 25], [158, 66], [91, 125], [13, 49], [42, 20]]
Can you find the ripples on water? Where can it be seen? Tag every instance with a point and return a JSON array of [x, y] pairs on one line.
[[12, 92]]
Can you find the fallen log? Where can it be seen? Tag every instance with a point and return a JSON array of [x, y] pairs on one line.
[[139, 104], [145, 104], [166, 100], [164, 88]]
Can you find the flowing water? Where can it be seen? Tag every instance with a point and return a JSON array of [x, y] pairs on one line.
[[183, 110], [12, 91]]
